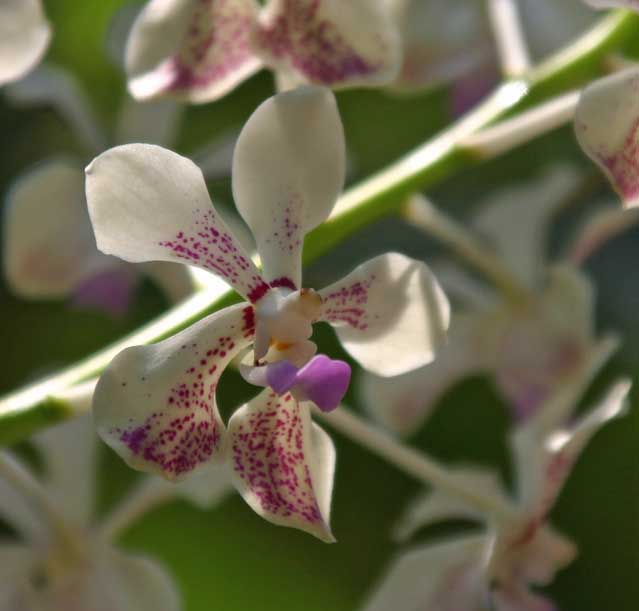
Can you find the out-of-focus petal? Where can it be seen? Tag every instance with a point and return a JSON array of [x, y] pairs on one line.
[[48, 246], [155, 122], [550, 25], [69, 453], [175, 280], [545, 459], [215, 159], [149, 204], [440, 576], [16, 563], [402, 403], [516, 220], [631, 4], [119, 30], [436, 36], [283, 464], [607, 127], [390, 314], [196, 50], [288, 169], [438, 505], [155, 405], [24, 37], [603, 225], [110, 290], [330, 42], [114, 582], [57, 88]]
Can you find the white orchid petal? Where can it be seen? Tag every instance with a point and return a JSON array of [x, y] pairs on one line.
[[402, 403], [329, 42], [437, 505], [525, 553], [443, 575], [516, 220], [24, 37], [288, 169], [48, 246], [149, 204], [545, 459], [195, 50], [155, 405], [607, 127], [59, 89], [155, 122], [69, 452], [390, 314], [283, 464], [436, 36]]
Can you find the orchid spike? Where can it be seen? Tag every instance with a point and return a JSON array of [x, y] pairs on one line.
[[497, 568], [530, 346], [65, 559], [56, 257], [201, 51], [607, 127], [24, 37], [155, 405]]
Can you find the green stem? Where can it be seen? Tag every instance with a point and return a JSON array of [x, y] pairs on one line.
[[22, 412]]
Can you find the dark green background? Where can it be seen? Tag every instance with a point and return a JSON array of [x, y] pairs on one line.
[[229, 559]]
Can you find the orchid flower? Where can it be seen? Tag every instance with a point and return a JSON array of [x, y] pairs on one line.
[[530, 345], [494, 569], [56, 257], [201, 51], [24, 38], [607, 127], [64, 560], [155, 405]]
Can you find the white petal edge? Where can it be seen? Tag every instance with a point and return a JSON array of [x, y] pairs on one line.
[[390, 314], [607, 128], [283, 464], [289, 167], [48, 245], [24, 37], [165, 57], [155, 405], [149, 204]]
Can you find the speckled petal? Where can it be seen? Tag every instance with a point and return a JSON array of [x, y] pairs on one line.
[[149, 204], [390, 314], [288, 169], [283, 463], [155, 405], [197, 50], [331, 42], [48, 246], [24, 37], [607, 127]]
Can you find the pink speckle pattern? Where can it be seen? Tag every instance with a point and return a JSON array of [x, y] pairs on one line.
[[349, 304], [186, 429], [210, 245], [297, 34], [287, 233], [270, 458], [216, 46], [623, 166]]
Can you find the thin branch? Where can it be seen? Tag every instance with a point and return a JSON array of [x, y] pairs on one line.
[[512, 48]]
